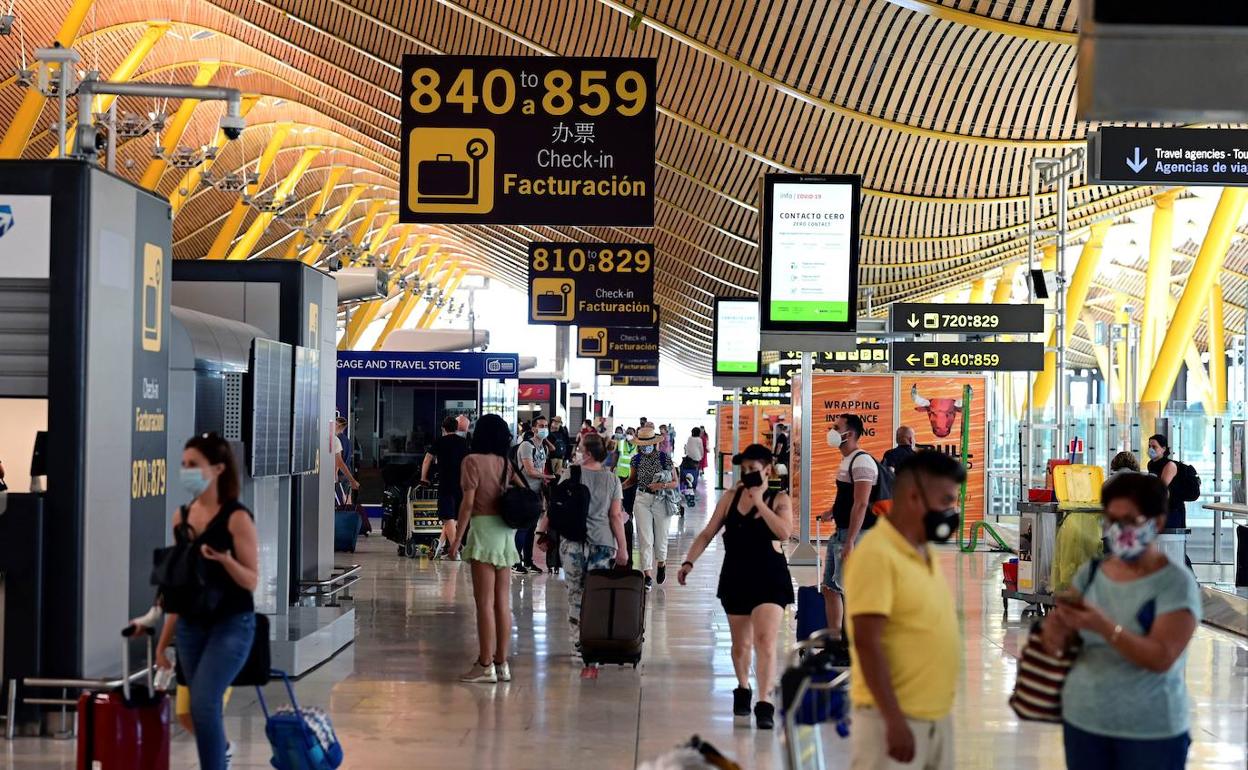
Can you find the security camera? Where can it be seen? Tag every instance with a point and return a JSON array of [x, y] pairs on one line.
[[6, 24], [334, 264], [232, 126]]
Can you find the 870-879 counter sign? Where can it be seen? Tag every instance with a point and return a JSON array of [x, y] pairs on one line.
[[528, 140]]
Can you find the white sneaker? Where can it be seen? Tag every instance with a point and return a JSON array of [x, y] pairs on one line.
[[229, 755], [502, 671], [480, 674]]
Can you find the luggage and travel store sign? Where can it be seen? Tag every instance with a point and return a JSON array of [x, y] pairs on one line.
[[527, 140], [592, 284], [617, 342], [1169, 156]]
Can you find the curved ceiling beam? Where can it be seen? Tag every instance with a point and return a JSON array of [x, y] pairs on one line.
[[987, 23]]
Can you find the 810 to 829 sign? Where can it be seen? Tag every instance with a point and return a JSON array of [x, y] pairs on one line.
[[601, 260]]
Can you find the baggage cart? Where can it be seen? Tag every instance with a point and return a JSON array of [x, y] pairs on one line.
[[813, 695]]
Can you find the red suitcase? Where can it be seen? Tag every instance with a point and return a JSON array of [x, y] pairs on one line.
[[127, 728]]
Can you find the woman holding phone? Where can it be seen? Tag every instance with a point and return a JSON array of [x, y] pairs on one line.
[[1124, 703]]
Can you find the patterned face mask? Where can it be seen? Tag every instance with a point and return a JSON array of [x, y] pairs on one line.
[[1129, 541]]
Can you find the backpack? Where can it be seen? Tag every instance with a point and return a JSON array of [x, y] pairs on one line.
[[520, 507], [1186, 483], [882, 491], [569, 507]]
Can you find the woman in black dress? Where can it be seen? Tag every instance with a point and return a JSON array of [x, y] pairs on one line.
[[754, 582]]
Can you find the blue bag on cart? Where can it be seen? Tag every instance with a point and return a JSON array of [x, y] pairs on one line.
[[301, 738], [817, 705]]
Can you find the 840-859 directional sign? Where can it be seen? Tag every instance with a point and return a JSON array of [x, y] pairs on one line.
[[933, 318], [968, 356]]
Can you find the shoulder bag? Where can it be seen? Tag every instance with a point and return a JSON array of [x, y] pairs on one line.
[[519, 506]]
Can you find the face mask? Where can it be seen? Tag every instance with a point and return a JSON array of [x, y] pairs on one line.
[[629, 436], [1153, 453], [834, 438], [1129, 541], [461, 433], [752, 479], [645, 450], [542, 433], [194, 482], [939, 525]]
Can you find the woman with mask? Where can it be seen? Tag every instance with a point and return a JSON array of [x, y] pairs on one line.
[[1163, 466], [213, 644], [491, 546], [652, 474], [754, 581], [1124, 702]]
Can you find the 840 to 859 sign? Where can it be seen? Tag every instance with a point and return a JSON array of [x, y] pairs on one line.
[[528, 140]]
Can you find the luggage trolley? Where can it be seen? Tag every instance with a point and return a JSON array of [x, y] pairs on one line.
[[409, 519], [813, 692]]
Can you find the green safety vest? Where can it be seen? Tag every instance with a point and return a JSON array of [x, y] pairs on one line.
[[624, 465]]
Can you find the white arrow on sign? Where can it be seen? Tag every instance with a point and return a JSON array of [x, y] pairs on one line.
[[912, 359], [1137, 164], [913, 320]]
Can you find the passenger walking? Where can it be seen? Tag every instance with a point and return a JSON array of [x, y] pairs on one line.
[[213, 645], [559, 445], [604, 529], [531, 462], [626, 450], [490, 547], [1124, 702], [1123, 462], [706, 449], [694, 454], [754, 581], [653, 476], [894, 457], [1162, 465], [855, 479], [449, 450], [906, 646]]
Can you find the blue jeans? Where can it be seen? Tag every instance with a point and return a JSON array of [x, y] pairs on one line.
[[1089, 751], [834, 563], [211, 655]]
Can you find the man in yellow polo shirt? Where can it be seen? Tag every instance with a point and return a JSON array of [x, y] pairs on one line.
[[906, 649]]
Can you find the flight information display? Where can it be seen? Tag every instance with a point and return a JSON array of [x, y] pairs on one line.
[[737, 341], [810, 252]]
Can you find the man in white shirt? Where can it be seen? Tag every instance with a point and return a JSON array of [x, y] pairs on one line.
[[855, 479], [693, 447], [340, 465]]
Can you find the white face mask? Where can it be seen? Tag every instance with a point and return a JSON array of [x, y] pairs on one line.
[[834, 438]]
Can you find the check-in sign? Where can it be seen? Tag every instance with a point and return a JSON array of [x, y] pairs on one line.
[[558, 140], [639, 367], [592, 284], [973, 319], [617, 342]]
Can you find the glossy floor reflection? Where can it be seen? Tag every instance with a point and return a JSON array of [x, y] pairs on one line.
[[396, 703]]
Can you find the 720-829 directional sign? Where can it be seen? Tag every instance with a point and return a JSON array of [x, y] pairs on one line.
[[968, 356], [934, 318]]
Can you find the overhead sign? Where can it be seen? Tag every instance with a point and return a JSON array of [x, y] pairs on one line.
[[933, 318], [836, 360], [737, 345], [1169, 156], [617, 342], [810, 253], [635, 380], [536, 140], [592, 284], [968, 356], [434, 366], [636, 367]]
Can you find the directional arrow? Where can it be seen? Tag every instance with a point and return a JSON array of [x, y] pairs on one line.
[[912, 359], [913, 320], [1137, 164]]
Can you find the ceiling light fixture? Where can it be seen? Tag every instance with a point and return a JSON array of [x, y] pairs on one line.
[[203, 34], [243, 72]]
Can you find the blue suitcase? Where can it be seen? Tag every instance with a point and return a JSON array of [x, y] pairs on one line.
[[346, 528], [812, 614]]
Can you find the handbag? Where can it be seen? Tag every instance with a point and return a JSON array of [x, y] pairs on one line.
[[1037, 695], [519, 506]]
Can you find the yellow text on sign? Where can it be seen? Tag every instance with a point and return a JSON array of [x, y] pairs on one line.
[[592, 92], [579, 260], [148, 478]]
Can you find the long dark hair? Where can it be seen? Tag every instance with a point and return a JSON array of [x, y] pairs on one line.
[[218, 451], [492, 436], [1162, 442]]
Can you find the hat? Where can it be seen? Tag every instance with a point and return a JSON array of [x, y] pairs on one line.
[[646, 437], [755, 452]]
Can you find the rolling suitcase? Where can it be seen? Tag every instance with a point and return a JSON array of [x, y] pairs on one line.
[[346, 527], [127, 728], [613, 617], [812, 613]]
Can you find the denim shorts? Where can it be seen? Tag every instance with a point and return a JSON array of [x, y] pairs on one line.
[[834, 565]]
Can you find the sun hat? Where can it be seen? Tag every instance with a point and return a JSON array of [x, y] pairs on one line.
[[646, 437]]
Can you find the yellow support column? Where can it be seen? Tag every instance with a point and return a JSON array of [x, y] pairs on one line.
[[1217, 349], [242, 249], [124, 71], [400, 244], [374, 208], [379, 237], [229, 228], [1004, 289], [400, 314], [333, 223], [23, 122], [979, 290], [1076, 295], [191, 179], [318, 205], [1157, 281], [448, 285], [1196, 294], [177, 124]]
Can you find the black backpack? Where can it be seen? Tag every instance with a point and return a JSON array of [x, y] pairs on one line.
[[1186, 483], [520, 506], [569, 507], [882, 492]]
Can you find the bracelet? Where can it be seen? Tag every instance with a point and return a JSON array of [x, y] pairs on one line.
[[689, 563], [1114, 636]]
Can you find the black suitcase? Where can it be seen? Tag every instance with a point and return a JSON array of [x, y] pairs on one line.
[[613, 617]]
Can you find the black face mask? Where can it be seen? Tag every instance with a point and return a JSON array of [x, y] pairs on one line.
[[752, 479], [939, 525]]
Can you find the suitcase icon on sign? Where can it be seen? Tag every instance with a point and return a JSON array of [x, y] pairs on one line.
[[594, 342], [447, 180], [552, 299]]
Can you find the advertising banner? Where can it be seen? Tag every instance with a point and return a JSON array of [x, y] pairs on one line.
[[527, 140], [748, 422], [617, 342], [592, 284]]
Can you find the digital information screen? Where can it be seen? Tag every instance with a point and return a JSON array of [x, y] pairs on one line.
[[737, 339], [810, 252]]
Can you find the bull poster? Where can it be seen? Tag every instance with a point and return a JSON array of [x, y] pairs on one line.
[[870, 396], [933, 405]]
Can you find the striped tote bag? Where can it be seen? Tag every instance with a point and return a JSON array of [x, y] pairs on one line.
[[1038, 689]]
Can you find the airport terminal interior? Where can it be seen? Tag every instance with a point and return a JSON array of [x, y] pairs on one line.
[[623, 384]]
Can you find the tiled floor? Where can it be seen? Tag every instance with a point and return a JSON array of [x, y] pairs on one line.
[[396, 703]]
